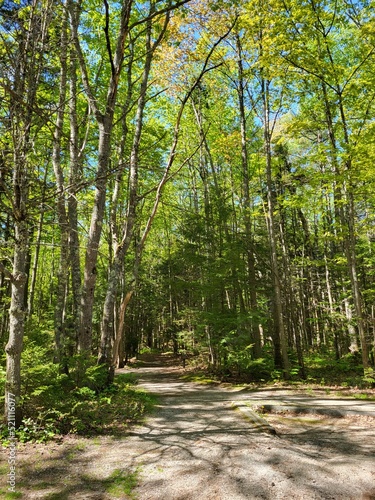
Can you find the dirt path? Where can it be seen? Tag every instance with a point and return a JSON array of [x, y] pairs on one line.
[[198, 447]]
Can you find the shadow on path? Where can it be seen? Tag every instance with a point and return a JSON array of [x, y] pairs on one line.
[[196, 447]]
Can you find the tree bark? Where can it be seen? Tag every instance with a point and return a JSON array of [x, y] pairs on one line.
[[35, 264], [105, 126], [255, 334], [72, 202], [63, 269], [346, 216], [278, 305], [24, 85], [17, 314]]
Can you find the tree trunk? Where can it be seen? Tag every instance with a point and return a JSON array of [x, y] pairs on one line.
[[17, 313], [255, 334], [72, 190], [346, 216], [278, 305], [24, 85], [107, 330], [105, 125], [118, 338], [34, 268], [63, 270]]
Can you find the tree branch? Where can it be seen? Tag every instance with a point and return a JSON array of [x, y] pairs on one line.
[[6, 273], [107, 39], [74, 17], [158, 12]]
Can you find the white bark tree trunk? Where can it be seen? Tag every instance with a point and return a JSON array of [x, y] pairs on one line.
[[105, 125], [24, 85]]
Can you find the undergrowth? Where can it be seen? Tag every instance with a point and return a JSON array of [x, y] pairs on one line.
[[54, 404], [320, 368], [347, 371]]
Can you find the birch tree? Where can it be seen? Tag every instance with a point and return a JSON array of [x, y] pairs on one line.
[[25, 44], [104, 116]]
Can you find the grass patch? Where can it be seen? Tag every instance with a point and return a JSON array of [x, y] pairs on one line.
[[57, 496], [364, 396], [310, 392], [324, 369], [200, 378], [122, 483], [321, 368], [8, 495], [4, 469], [127, 378], [42, 485], [351, 393]]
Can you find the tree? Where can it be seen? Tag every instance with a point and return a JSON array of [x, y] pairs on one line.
[[24, 43], [104, 118], [108, 349], [339, 84]]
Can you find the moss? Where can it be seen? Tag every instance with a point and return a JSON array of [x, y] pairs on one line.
[[199, 378]]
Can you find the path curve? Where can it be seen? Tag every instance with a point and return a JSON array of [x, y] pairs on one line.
[[199, 444], [196, 447]]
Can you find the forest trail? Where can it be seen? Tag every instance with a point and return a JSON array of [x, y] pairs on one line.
[[197, 446]]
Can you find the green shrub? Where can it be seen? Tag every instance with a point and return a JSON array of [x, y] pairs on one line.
[[323, 368], [53, 404]]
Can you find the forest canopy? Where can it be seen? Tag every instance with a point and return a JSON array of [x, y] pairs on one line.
[[186, 175]]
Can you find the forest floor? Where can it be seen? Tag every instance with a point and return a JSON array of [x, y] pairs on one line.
[[203, 442]]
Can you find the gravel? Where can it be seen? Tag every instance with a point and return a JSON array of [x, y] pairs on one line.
[[197, 445]]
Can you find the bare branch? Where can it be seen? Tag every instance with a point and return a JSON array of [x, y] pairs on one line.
[[6, 273]]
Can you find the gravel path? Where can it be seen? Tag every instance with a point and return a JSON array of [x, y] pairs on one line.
[[197, 446]]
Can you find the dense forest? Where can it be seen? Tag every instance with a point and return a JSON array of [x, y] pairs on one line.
[[188, 176]]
